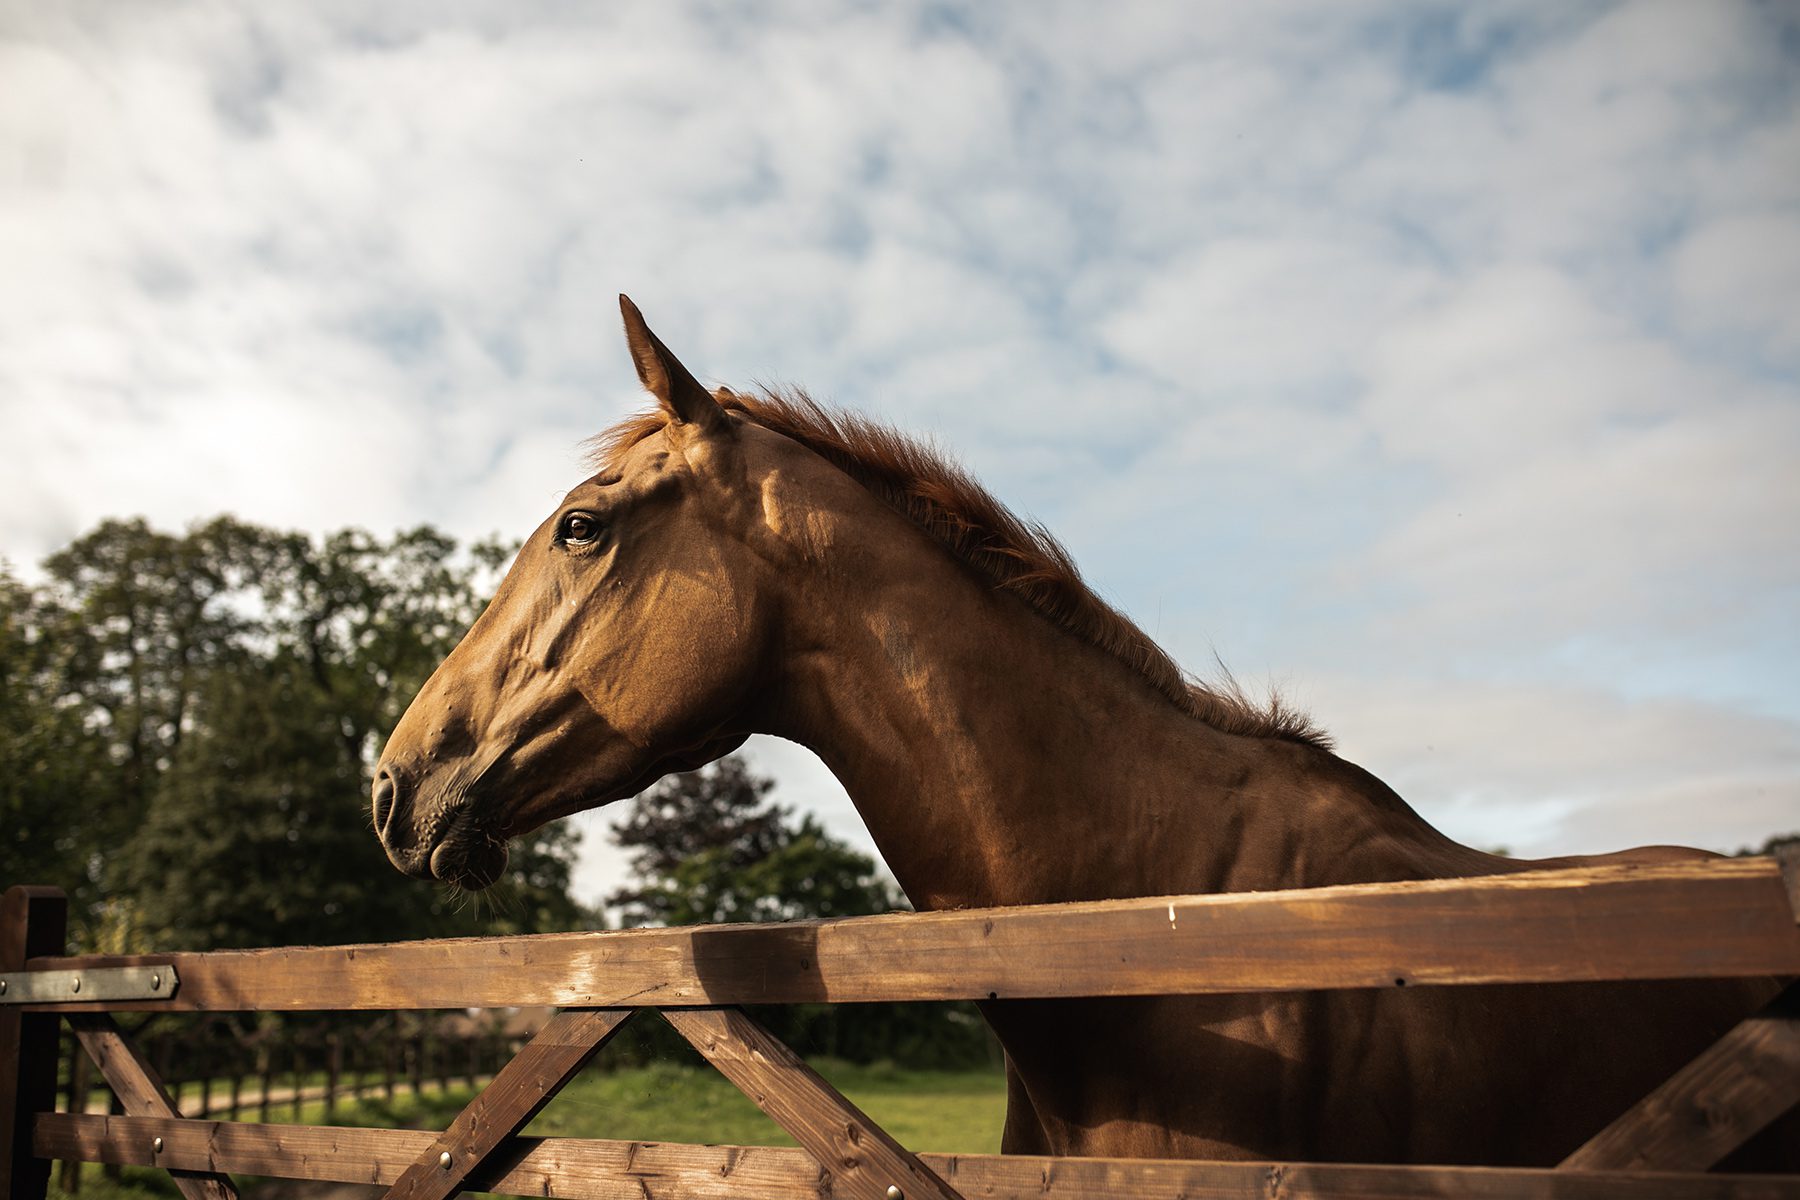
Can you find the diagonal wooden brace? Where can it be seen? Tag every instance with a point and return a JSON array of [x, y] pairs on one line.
[[141, 1094], [864, 1163], [523, 1086], [1713, 1105]]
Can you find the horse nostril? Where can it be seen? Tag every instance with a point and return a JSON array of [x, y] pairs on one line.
[[381, 802]]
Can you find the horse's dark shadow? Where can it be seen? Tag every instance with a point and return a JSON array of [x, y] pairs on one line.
[[760, 964]]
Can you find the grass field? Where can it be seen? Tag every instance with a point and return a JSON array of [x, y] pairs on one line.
[[957, 1112], [953, 1112]]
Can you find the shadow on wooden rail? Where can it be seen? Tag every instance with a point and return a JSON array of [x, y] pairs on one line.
[[1711, 919]]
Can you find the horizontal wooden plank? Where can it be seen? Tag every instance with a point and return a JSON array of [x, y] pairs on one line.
[[1709, 919], [619, 1170]]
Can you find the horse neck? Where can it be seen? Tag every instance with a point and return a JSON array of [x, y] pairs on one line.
[[998, 760]]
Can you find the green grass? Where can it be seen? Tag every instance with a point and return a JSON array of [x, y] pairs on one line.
[[136, 1183], [958, 1112]]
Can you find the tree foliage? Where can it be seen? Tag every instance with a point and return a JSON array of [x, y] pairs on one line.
[[1772, 844], [707, 846], [57, 782], [188, 724]]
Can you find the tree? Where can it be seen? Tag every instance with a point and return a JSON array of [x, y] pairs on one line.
[[55, 778], [192, 719], [806, 873], [253, 837], [707, 846], [1771, 844]]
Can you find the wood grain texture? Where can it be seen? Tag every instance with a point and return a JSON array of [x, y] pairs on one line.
[[33, 921], [621, 1170], [862, 1160], [141, 1094], [1711, 1106], [523, 1086], [1707, 919]]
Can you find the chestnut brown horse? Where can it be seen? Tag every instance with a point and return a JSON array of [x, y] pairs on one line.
[[746, 564]]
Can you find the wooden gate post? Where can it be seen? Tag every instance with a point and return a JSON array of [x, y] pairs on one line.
[[33, 921]]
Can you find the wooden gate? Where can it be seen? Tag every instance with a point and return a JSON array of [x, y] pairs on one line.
[[1712, 919]]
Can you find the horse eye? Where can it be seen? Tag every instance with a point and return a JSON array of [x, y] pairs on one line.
[[578, 529]]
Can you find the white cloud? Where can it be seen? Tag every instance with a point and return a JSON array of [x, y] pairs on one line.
[[1269, 314], [1421, 352], [1739, 276], [1546, 770]]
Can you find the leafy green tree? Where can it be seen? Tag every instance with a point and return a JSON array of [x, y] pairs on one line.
[[55, 777], [134, 609], [806, 873], [252, 836], [708, 846], [191, 721]]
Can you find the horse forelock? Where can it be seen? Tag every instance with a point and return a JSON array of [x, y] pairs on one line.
[[1018, 556]]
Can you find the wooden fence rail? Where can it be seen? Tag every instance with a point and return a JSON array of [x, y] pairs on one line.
[[1691, 920], [1714, 919], [598, 1169]]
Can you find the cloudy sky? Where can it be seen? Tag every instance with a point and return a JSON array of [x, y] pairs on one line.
[[1440, 363]]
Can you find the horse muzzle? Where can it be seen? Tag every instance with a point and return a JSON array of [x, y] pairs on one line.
[[450, 844]]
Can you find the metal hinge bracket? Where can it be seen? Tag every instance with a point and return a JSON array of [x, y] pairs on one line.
[[98, 983]]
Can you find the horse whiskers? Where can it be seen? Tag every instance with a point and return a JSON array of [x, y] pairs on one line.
[[502, 897]]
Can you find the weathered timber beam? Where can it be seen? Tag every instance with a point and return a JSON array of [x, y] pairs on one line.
[[1711, 1106], [520, 1090], [141, 1094], [1709, 919], [33, 921], [863, 1161], [618, 1170]]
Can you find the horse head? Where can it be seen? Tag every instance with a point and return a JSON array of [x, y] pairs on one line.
[[624, 642]]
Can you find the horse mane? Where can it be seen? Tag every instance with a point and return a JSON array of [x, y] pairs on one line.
[[1014, 555]]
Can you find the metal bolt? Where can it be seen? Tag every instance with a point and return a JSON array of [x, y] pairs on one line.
[[156, 983], [77, 986], [2, 987], [444, 1160], [156, 1145], [894, 1193]]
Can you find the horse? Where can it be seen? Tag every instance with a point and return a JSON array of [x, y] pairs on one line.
[[744, 563]]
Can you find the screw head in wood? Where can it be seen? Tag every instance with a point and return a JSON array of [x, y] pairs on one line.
[[156, 983], [444, 1160], [156, 1145], [76, 987], [2, 987], [894, 1193]]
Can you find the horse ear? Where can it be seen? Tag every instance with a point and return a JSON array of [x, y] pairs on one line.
[[664, 377]]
